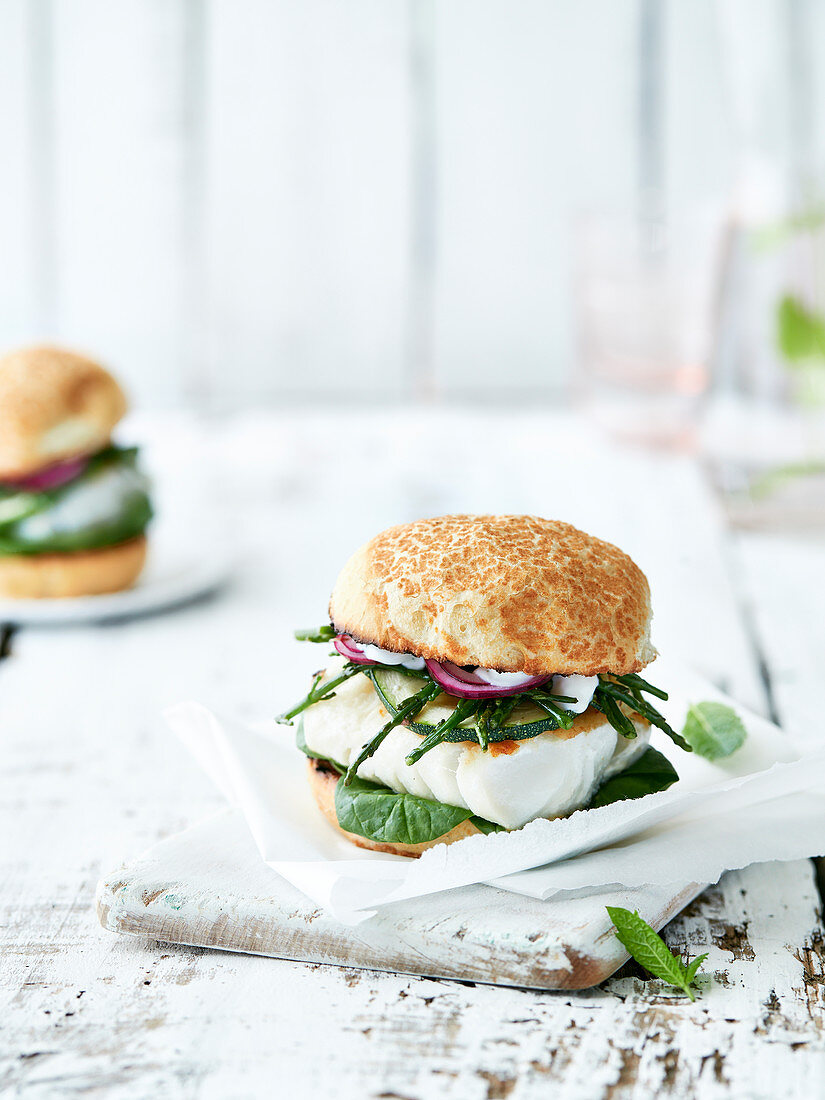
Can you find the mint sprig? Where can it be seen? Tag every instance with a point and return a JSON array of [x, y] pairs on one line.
[[650, 950], [713, 730]]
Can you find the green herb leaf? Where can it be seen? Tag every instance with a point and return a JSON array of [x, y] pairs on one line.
[[714, 730], [690, 973], [800, 331], [323, 634], [651, 772], [650, 950], [369, 810]]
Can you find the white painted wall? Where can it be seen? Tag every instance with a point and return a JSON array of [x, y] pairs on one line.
[[240, 201]]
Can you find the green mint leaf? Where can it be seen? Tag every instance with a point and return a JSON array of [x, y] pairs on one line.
[[649, 949], [651, 772], [800, 331], [322, 634], [714, 730], [369, 810], [690, 973]]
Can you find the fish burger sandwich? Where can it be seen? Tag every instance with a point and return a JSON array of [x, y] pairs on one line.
[[484, 673], [73, 505]]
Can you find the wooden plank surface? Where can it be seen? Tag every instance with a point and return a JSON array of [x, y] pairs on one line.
[[90, 777], [208, 887]]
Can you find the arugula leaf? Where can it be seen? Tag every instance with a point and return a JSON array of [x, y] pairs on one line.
[[651, 772], [370, 810], [650, 950], [323, 634], [714, 730], [301, 743]]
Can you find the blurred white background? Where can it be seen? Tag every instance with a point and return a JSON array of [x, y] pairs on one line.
[[266, 200]]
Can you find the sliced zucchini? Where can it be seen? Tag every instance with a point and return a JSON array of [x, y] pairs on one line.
[[393, 688]]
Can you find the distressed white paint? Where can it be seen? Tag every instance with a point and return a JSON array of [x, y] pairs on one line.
[[208, 887], [90, 777]]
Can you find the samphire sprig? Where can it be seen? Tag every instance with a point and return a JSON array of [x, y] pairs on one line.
[[628, 689], [321, 690], [491, 715]]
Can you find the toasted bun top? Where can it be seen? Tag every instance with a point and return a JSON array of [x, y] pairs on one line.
[[54, 404], [514, 593]]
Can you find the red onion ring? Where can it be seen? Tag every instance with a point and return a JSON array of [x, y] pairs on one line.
[[453, 679], [466, 685], [351, 650], [58, 474]]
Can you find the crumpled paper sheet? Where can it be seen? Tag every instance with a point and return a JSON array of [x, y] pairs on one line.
[[763, 803]]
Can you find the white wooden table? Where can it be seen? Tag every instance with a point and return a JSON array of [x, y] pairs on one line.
[[90, 777]]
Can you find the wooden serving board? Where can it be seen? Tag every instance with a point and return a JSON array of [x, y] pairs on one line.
[[208, 887]]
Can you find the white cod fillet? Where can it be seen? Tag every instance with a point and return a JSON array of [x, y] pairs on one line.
[[545, 776]]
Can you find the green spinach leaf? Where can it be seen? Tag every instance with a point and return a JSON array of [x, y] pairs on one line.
[[651, 772], [369, 810]]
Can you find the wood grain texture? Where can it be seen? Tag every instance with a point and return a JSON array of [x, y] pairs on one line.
[[207, 887], [90, 777]]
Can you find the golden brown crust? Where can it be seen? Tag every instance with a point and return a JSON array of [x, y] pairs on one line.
[[322, 783], [514, 593], [82, 573], [54, 404]]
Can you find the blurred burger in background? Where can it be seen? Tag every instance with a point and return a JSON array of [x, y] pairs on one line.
[[74, 506]]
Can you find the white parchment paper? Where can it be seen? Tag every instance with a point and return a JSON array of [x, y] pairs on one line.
[[766, 802]]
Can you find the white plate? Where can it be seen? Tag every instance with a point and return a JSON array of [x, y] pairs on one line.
[[173, 575]]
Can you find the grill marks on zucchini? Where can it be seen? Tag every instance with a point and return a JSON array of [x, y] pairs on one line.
[[481, 721]]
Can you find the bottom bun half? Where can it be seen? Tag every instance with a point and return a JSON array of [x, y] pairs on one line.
[[81, 573], [323, 780]]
